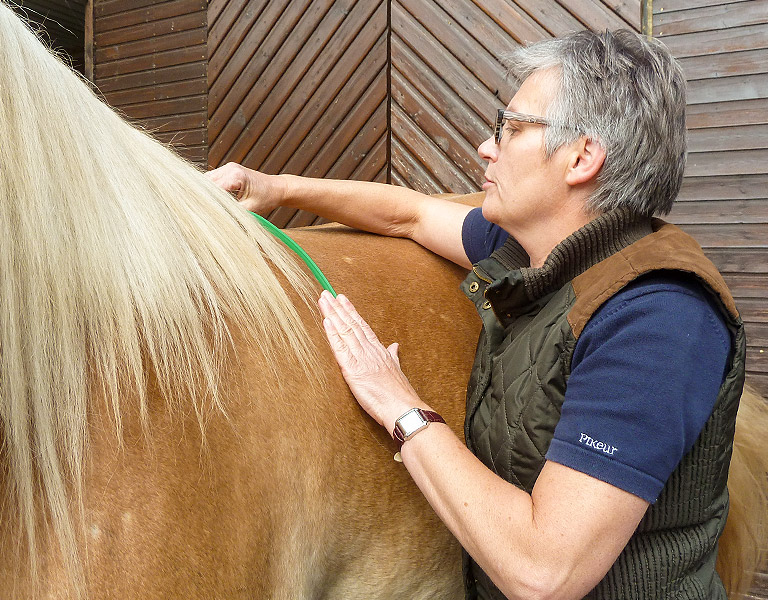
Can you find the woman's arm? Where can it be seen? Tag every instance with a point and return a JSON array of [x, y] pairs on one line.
[[435, 223], [557, 542]]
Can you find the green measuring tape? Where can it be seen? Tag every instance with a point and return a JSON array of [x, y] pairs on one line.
[[319, 275]]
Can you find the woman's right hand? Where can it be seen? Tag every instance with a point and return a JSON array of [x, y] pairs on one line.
[[256, 191]]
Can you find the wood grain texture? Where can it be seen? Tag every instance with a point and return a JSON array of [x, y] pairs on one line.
[[151, 61], [299, 88], [723, 47], [448, 80]]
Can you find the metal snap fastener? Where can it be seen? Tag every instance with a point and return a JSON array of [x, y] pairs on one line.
[[486, 305], [474, 286]]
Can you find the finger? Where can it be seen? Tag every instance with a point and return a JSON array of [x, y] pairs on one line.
[[350, 310], [342, 327], [393, 350]]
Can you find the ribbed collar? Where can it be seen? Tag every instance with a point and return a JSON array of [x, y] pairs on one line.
[[596, 241]]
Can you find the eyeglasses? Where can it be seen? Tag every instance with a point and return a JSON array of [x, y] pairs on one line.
[[507, 115]]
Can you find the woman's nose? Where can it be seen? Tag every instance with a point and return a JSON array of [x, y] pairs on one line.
[[489, 149]]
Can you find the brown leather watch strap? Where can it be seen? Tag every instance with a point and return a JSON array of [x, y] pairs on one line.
[[428, 415]]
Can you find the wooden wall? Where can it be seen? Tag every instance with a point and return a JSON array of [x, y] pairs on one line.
[[299, 87], [723, 47], [150, 61], [448, 81]]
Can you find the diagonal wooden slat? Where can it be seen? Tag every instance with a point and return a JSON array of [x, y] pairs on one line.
[[300, 87], [299, 102]]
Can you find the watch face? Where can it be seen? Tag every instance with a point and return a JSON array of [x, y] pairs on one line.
[[411, 422]]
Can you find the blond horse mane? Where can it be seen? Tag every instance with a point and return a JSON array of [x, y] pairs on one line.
[[117, 259]]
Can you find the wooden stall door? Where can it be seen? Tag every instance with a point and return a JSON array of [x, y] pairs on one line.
[[299, 87]]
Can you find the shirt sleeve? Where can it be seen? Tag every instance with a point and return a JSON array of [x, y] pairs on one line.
[[480, 237], [645, 375]]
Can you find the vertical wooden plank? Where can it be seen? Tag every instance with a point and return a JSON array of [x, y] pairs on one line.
[[89, 40]]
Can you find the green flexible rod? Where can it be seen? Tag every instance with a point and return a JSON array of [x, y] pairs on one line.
[[299, 251]]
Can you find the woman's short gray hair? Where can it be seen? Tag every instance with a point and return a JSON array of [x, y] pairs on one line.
[[627, 92]]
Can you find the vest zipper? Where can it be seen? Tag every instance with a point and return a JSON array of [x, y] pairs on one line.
[[476, 272]]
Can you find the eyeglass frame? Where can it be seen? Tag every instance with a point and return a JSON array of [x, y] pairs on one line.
[[508, 115]]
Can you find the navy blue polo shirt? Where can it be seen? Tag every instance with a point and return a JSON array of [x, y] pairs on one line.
[[645, 375]]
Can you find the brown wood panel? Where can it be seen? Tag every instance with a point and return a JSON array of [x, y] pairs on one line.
[[718, 41], [427, 118], [757, 363], [754, 309], [410, 67], [295, 104], [741, 187], [758, 336], [745, 137], [594, 14], [425, 150], [435, 85], [233, 25], [629, 10], [708, 18], [163, 91], [316, 153], [729, 64], [741, 162], [178, 73], [716, 114], [754, 210], [739, 260], [156, 44], [359, 149], [553, 18], [147, 30], [341, 39], [177, 122], [103, 8], [408, 171], [300, 87], [731, 235], [460, 22], [152, 13], [725, 89], [664, 6], [747, 285], [172, 107], [509, 18], [229, 80], [154, 61], [151, 62], [247, 79]]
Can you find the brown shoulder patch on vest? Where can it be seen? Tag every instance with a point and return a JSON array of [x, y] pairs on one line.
[[667, 248]]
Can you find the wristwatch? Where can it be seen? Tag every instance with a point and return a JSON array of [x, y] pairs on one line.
[[413, 421]]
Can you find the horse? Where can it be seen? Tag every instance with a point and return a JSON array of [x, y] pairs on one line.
[[172, 421]]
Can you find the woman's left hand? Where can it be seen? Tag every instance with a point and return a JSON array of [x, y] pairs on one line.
[[371, 370]]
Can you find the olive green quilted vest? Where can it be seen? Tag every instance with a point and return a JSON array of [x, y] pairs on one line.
[[531, 321]]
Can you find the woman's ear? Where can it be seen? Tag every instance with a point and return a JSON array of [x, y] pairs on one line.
[[586, 161]]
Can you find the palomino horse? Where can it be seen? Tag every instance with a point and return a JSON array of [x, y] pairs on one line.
[[172, 423]]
